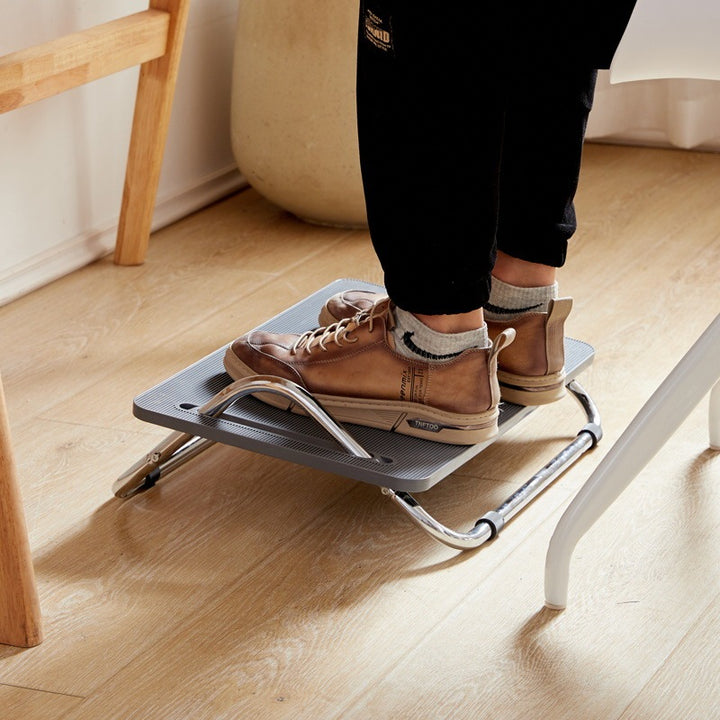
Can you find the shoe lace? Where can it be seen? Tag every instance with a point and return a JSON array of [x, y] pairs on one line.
[[339, 332]]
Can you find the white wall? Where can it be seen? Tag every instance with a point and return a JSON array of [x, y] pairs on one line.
[[62, 160]]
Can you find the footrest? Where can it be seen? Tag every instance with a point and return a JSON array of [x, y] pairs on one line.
[[397, 461]]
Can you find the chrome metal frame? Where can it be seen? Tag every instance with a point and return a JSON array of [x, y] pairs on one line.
[[180, 447], [490, 524]]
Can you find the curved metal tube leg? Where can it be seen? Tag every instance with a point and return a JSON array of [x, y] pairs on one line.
[[663, 413], [178, 447], [460, 540], [289, 390], [490, 524]]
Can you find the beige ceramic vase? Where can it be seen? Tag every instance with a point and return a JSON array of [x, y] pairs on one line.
[[294, 132]]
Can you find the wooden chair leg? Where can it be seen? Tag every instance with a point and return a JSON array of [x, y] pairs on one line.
[[156, 88], [20, 622]]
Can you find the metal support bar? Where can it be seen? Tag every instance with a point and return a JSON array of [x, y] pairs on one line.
[[488, 526], [177, 448]]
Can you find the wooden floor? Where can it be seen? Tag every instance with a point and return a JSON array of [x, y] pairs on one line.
[[245, 587]]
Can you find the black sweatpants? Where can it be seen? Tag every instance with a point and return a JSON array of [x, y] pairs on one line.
[[470, 140]]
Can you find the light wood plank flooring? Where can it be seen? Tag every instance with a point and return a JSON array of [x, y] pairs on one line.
[[245, 587]]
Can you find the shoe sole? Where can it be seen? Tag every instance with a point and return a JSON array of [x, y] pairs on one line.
[[397, 416], [531, 390]]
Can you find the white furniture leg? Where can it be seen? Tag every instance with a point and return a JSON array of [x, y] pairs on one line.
[[714, 417], [672, 402]]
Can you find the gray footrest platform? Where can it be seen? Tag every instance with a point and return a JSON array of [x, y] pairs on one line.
[[399, 462]]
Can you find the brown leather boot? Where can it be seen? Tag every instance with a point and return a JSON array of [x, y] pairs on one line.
[[531, 372], [352, 369]]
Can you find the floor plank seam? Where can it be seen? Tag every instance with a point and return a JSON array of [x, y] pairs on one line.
[[45, 692]]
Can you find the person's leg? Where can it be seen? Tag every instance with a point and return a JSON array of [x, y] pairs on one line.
[[545, 127], [547, 111], [429, 153], [430, 123], [523, 273], [418, 362]]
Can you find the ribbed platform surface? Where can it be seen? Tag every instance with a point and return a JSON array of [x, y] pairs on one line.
[[400, 462]]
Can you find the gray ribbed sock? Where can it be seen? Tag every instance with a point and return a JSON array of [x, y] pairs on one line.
[[508, 302], [414, 339]]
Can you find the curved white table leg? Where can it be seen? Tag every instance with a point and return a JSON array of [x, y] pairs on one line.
[[672, 402], [714, 418]]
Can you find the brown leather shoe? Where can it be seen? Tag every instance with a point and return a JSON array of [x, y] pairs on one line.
[[531, 372], [352, 369]]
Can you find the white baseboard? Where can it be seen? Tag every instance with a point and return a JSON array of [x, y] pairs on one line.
[[84, 249]]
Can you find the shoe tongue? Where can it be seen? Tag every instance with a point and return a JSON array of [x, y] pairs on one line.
[[391, 341], [370, 318]]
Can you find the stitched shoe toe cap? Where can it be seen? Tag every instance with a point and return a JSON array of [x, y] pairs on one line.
[[264, 354]]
